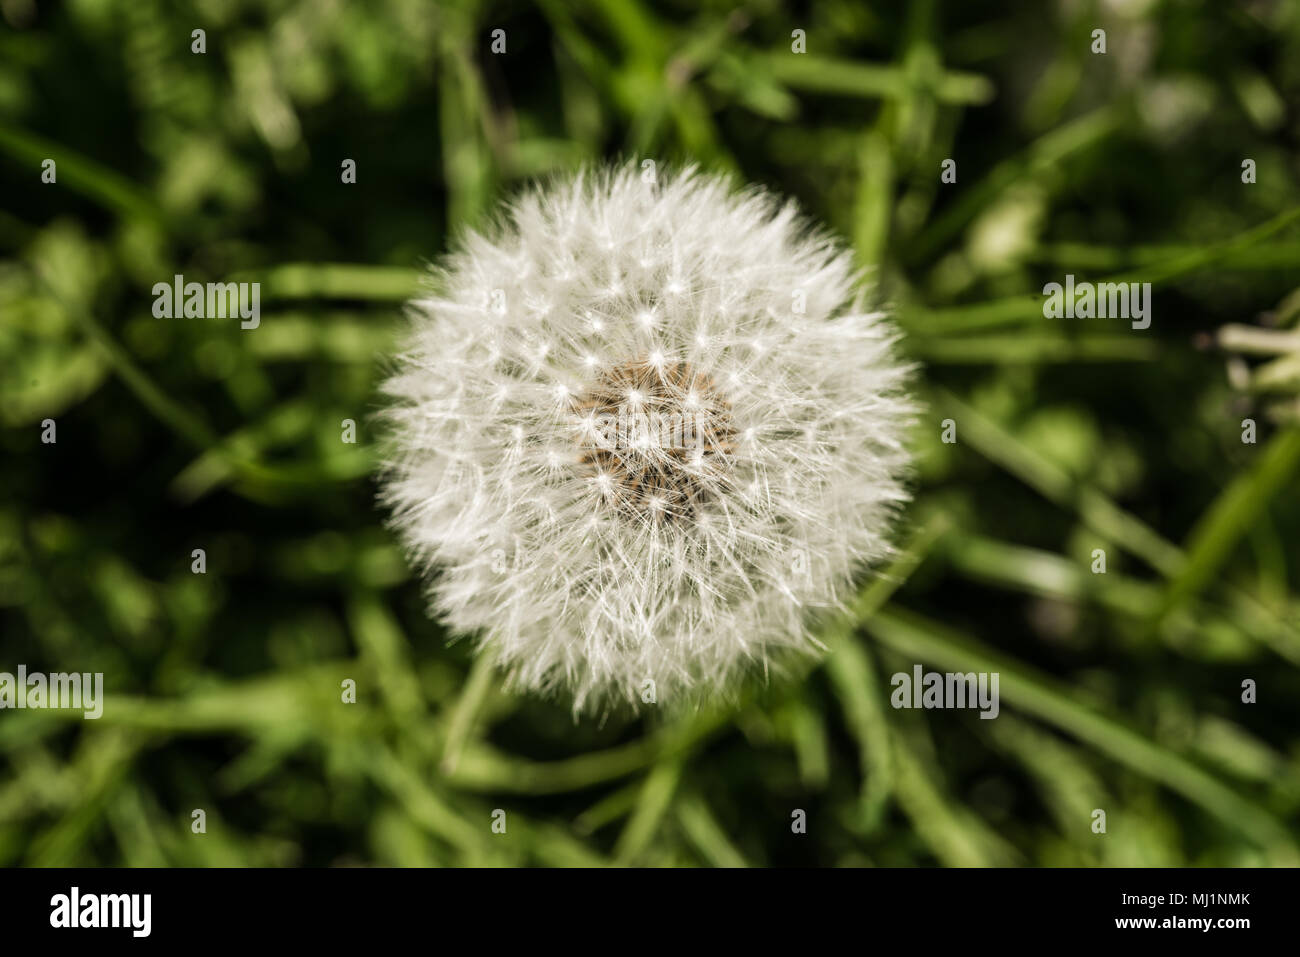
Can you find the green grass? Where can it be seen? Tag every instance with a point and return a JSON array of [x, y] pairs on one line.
[[1121, 691]]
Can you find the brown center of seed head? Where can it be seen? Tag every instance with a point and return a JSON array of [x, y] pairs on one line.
[[655, 437]]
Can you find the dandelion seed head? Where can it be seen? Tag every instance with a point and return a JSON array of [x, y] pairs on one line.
[[648, 461]]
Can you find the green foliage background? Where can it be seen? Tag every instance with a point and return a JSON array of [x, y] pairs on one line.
[[1120, 691]]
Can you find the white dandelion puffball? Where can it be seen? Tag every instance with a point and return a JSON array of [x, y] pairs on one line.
[[641, 432]]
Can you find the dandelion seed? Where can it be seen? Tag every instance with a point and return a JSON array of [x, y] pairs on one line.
[[650, 507]]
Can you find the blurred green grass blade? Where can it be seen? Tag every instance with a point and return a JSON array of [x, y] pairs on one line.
[[425, 806], [857, 685], [289, 281], [930, 529], [808, 736], [937, 321], [482, 768], [915, 115], [100, 765], [736, 78], [1031, 348], [385, 650], [873, 206], [1061, 772], [703, 830], [307, 699], [1047, 574], [637, 30], [79, 172], [313, 334], [1237, 509], [1045, 153], [652, 804], [586, 55], [216, 465], [171, 413], [133, 830], [268, 753], [1020, 687], [1211, 253], [1013, 309], [219, 463], [851, 670], [1000, 446], [957, 837], [467, 169], [813, 73], [465, 712], [553, 846], [226, 462], [185, 423], [614, 806], [1094, 257]]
